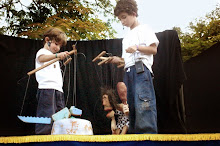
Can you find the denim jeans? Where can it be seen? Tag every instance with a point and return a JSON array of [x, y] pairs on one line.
[[141, 100], [50, 101]]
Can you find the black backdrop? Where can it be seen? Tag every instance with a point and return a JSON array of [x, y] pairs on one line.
[[201, 91], [17, 58]]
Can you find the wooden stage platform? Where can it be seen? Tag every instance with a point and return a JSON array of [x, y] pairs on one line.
[[128, 139]]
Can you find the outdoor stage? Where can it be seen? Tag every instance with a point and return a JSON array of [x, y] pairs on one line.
[[128, 139], [195, 112]]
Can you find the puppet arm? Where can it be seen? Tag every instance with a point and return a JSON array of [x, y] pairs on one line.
[[126, 109], [120, 107], [110, 114], [113, 125]]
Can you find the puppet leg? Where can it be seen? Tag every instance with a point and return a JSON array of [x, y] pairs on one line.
[[113, 125], [117, 131], [124, 129], [114, 132]]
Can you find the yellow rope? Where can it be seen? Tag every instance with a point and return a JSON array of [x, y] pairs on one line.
[[111, 138]]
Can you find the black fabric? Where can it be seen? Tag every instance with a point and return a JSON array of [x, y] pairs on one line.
[[7, 90], [201, 90], [21, 53], [168, 77], [90, 77]]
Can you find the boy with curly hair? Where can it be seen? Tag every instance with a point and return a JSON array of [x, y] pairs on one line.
[[138, 48]]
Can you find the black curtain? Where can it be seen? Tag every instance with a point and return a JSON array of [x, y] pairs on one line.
[[90, 77], [201, 90], [169, 76], [18, 58]]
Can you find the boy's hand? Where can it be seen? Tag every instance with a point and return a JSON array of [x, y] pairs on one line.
[[131, 49], [63, 55], [115, 60]]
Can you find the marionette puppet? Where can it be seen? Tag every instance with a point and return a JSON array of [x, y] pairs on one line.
[[123, 108], [116, 111], [110, 104]]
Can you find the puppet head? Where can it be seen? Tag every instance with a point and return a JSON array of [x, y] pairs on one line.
[[108, 99], [106, 103]]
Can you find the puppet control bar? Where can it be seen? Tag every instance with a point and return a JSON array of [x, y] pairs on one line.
[[106, 59]]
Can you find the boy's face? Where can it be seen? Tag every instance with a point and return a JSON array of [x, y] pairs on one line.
[[55, 46], [126, 19]]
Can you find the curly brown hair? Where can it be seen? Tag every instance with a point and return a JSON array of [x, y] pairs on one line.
[[112, 97], [128, 6]]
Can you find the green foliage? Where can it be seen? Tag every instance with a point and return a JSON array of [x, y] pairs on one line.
[[78, 18], [205, 33]]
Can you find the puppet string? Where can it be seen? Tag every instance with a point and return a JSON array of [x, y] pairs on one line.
[[106, 74], [64, 73], [74, 80], [18, 82], [100, 80], [112, 76], [67, 98], [25, 95]]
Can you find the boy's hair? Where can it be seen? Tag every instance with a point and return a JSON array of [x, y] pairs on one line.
[[128, 6], [111, 96], [56, 34]]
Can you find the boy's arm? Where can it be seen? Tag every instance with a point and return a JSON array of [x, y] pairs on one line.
[[45, 58], [152, 49]]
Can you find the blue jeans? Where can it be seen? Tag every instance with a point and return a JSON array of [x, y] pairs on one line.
[[141, 100]]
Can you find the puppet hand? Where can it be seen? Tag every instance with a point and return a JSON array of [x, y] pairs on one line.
[[113, 125], [126, 109]]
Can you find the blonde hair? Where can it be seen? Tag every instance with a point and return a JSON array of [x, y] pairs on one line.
[[56, 34]]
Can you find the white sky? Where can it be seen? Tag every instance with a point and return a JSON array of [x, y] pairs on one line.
[[165, 14]]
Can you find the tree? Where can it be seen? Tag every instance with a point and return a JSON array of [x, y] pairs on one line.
[[205, 33], [78, 18]]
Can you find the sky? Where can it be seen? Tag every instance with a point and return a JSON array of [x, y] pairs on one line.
[[162, 15]]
